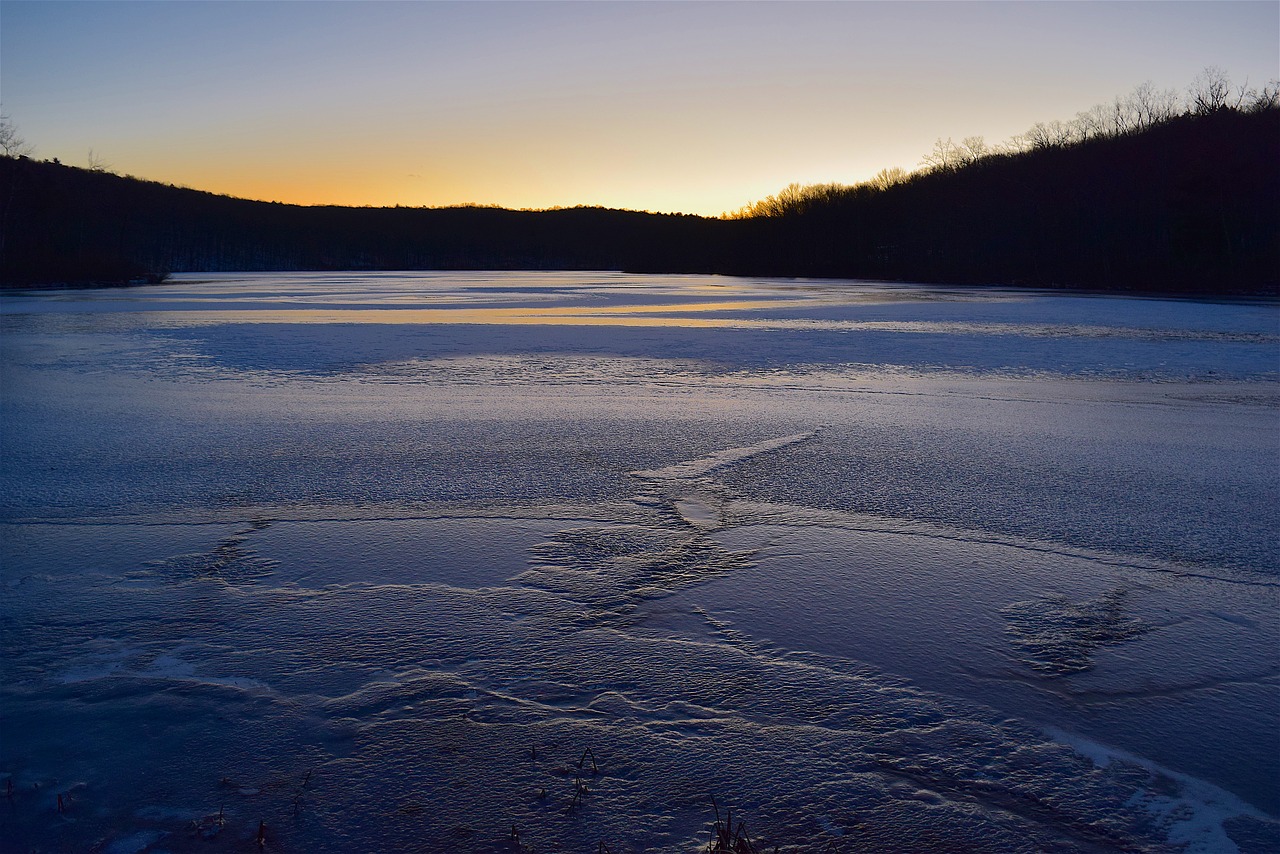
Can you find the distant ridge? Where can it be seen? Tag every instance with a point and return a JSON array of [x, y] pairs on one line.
[[68, 225], [1190, 205]]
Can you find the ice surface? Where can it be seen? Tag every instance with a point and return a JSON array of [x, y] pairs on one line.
[[375, 559]]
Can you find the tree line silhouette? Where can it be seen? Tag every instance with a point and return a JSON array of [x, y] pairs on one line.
[[1152, 192]]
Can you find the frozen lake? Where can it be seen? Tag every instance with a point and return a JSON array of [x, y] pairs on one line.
[[425, 561]]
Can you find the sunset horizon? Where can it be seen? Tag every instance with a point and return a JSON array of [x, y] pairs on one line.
[[697, 108]]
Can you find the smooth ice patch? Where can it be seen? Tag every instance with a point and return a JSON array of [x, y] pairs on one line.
[[135, 843]]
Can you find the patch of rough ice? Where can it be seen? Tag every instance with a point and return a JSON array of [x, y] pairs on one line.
[[1057, 636], [231, 561], [612, 568]]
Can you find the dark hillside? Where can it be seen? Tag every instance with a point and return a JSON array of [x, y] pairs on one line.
[[63, 224], [1191, 204]]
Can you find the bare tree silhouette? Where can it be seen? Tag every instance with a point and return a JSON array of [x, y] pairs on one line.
[[11, 142]]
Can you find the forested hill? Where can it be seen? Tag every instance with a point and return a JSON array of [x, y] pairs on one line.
[[1190, 204], [64, 224]]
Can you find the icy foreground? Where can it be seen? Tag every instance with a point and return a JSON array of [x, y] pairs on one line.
[[385, 562]]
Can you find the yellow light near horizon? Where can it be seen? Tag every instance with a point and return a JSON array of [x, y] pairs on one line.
[[518, 172]]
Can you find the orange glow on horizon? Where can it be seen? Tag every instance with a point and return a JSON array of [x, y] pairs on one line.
[[676, 107]]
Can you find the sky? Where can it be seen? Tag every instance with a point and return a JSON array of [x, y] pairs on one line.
[[667, 106]]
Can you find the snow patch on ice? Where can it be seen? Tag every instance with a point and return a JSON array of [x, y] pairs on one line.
[[711, 462], [698, 513], [164, 667], [1194, 812]]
